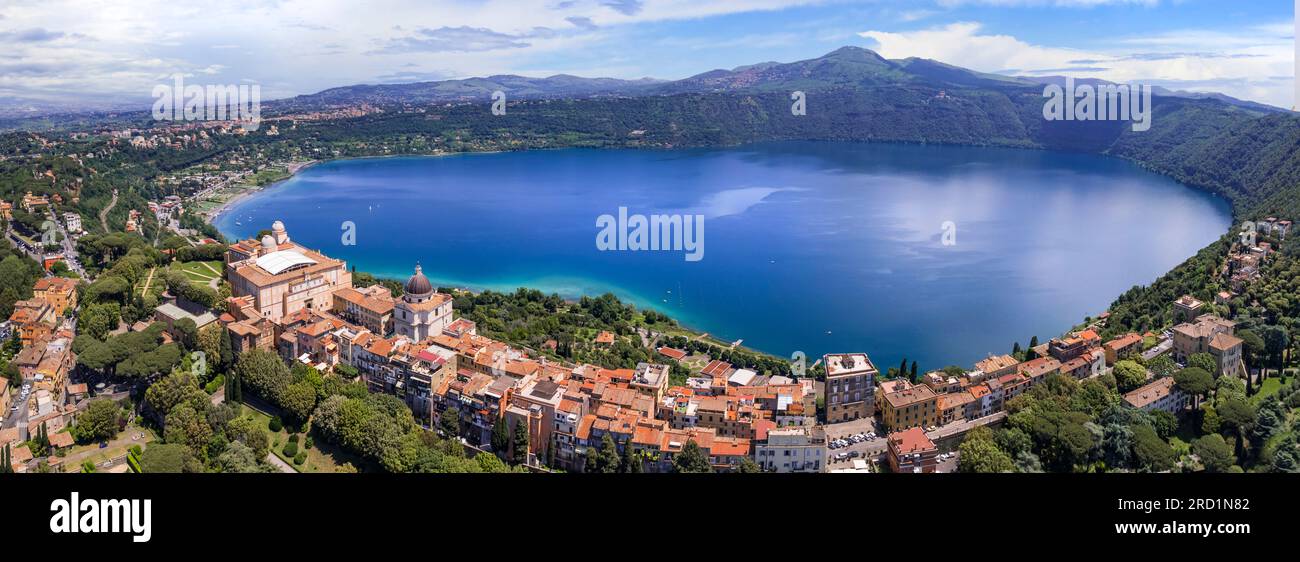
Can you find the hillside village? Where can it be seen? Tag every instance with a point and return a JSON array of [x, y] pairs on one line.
[[681, 408]]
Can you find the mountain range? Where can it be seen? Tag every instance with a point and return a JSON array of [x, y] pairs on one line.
[[842, 68], [1243, 151]]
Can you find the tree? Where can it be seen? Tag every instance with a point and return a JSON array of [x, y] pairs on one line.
[[1214, 452], [1237, 417], [631, 462], [226, 350], [1253, 346], [520, 453], [246, 430], [500, 438], [605, 459], [1117, 446], [97, 320], [264, 373], [449, 422], [1203, 361], [748, 466], [187, 333], [1276, 340], [979, 453], [188, 427], [298, 400], [163, 458], [1164, 423], [691, 460], [1013, 442], [1129, 375], [173, 389], [1150, 452], [1194, 381], [99, 421], [239, 458]]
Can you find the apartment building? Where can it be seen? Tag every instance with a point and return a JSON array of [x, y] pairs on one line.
[[912, 451], [850, 386], [792, 449], [914, 406]]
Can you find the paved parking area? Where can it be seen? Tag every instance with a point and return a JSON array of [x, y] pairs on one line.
[[949, 464], [871, 450], [864, 425]]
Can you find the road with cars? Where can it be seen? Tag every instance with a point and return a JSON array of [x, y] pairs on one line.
[[18, 409]]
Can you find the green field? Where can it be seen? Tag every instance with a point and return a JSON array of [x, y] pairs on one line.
[[322, 457], [199, 272]]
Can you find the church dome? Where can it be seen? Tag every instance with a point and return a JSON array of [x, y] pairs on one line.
[[418, 284], [280, 234]]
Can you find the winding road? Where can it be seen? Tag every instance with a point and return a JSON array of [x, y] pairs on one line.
[[103, 214]]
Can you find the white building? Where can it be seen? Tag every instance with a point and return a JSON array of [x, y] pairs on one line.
[[422, 312], [792, 449], [1158, 395], [73, 222]]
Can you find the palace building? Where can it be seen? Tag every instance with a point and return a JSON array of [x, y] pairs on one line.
[[283, 277]]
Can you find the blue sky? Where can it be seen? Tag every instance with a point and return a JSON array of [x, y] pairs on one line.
[[69, 49]]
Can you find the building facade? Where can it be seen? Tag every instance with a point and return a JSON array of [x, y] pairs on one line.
[[850, 387]]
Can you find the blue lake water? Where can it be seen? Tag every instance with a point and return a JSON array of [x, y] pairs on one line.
[[817, 247]]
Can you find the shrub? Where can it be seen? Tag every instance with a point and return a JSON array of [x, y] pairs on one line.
[[293, 438], [300, 458], [308, 442], [275, 424], [136, 450], [290, 449], [215, 384]]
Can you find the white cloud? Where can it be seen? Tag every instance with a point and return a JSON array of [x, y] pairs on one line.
[[1255, 64], [1056, 3], [74, 48]]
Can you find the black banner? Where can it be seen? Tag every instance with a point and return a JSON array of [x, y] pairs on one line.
[[328, 511]]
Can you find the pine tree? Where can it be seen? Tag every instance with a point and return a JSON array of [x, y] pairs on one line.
[[500, 438], [691, 459], [227, 350], [629, 464], [521, 443], [914, 379], [1015, 349]]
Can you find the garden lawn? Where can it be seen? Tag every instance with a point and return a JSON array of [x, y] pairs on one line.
[[322, 457]]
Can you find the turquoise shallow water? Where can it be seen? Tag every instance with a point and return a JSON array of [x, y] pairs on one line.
[[818, 247]]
